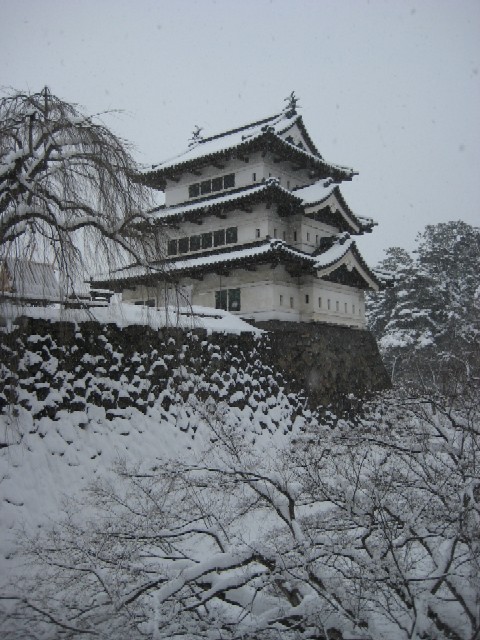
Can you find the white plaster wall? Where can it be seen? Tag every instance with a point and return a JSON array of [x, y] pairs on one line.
[[267, 221], [272, 294], [263, 168]]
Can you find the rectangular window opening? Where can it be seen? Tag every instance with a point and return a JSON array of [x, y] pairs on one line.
[[221, 298], [229, 181], [206, 186], [207, 240], [227, 299], [234, 299], [183, 245], [219, 238], [217, 184], [194, 190], [195, 243], [231, 235], [307, 298]]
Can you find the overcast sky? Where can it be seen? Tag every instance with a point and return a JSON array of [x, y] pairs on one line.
[[390, 88]]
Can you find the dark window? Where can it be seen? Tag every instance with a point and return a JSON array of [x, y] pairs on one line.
[[229, 181], [183, 245], [219, 237], [195, 243], [206, 240], [231, 235], [194, 190], [206, 186], [294, 236], [172, 247], [234, 299], [221, 299], [307, 299], [228, 299], [217, 184]]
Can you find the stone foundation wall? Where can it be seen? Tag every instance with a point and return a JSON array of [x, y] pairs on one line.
[[65, 366]]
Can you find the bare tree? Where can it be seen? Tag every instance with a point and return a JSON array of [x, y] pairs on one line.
[[67, 190], [369, 530]]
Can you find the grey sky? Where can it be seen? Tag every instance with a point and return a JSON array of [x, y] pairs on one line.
[[390, 88]]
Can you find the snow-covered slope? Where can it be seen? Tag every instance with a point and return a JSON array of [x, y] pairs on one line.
[[77, 398]]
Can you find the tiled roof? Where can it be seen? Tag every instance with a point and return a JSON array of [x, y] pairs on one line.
[[245, 139], [258, 252]]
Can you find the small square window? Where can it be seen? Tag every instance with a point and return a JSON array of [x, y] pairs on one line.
[[229, 181], [172, 247], [221, 299], [234, 299], [219, 238], [195, 243], [217, 184], [183, 244], [206, 186], [231, 235], [207, 240], [194, 190]]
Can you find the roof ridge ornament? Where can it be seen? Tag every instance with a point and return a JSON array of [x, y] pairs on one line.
[[196, 136], [292, 103]]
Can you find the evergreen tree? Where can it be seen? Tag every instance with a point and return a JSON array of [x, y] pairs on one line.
[[431, 309]]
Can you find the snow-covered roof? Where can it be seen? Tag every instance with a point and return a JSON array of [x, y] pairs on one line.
[[320, 193], [342, 252], [317, 192], [246, 138]]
